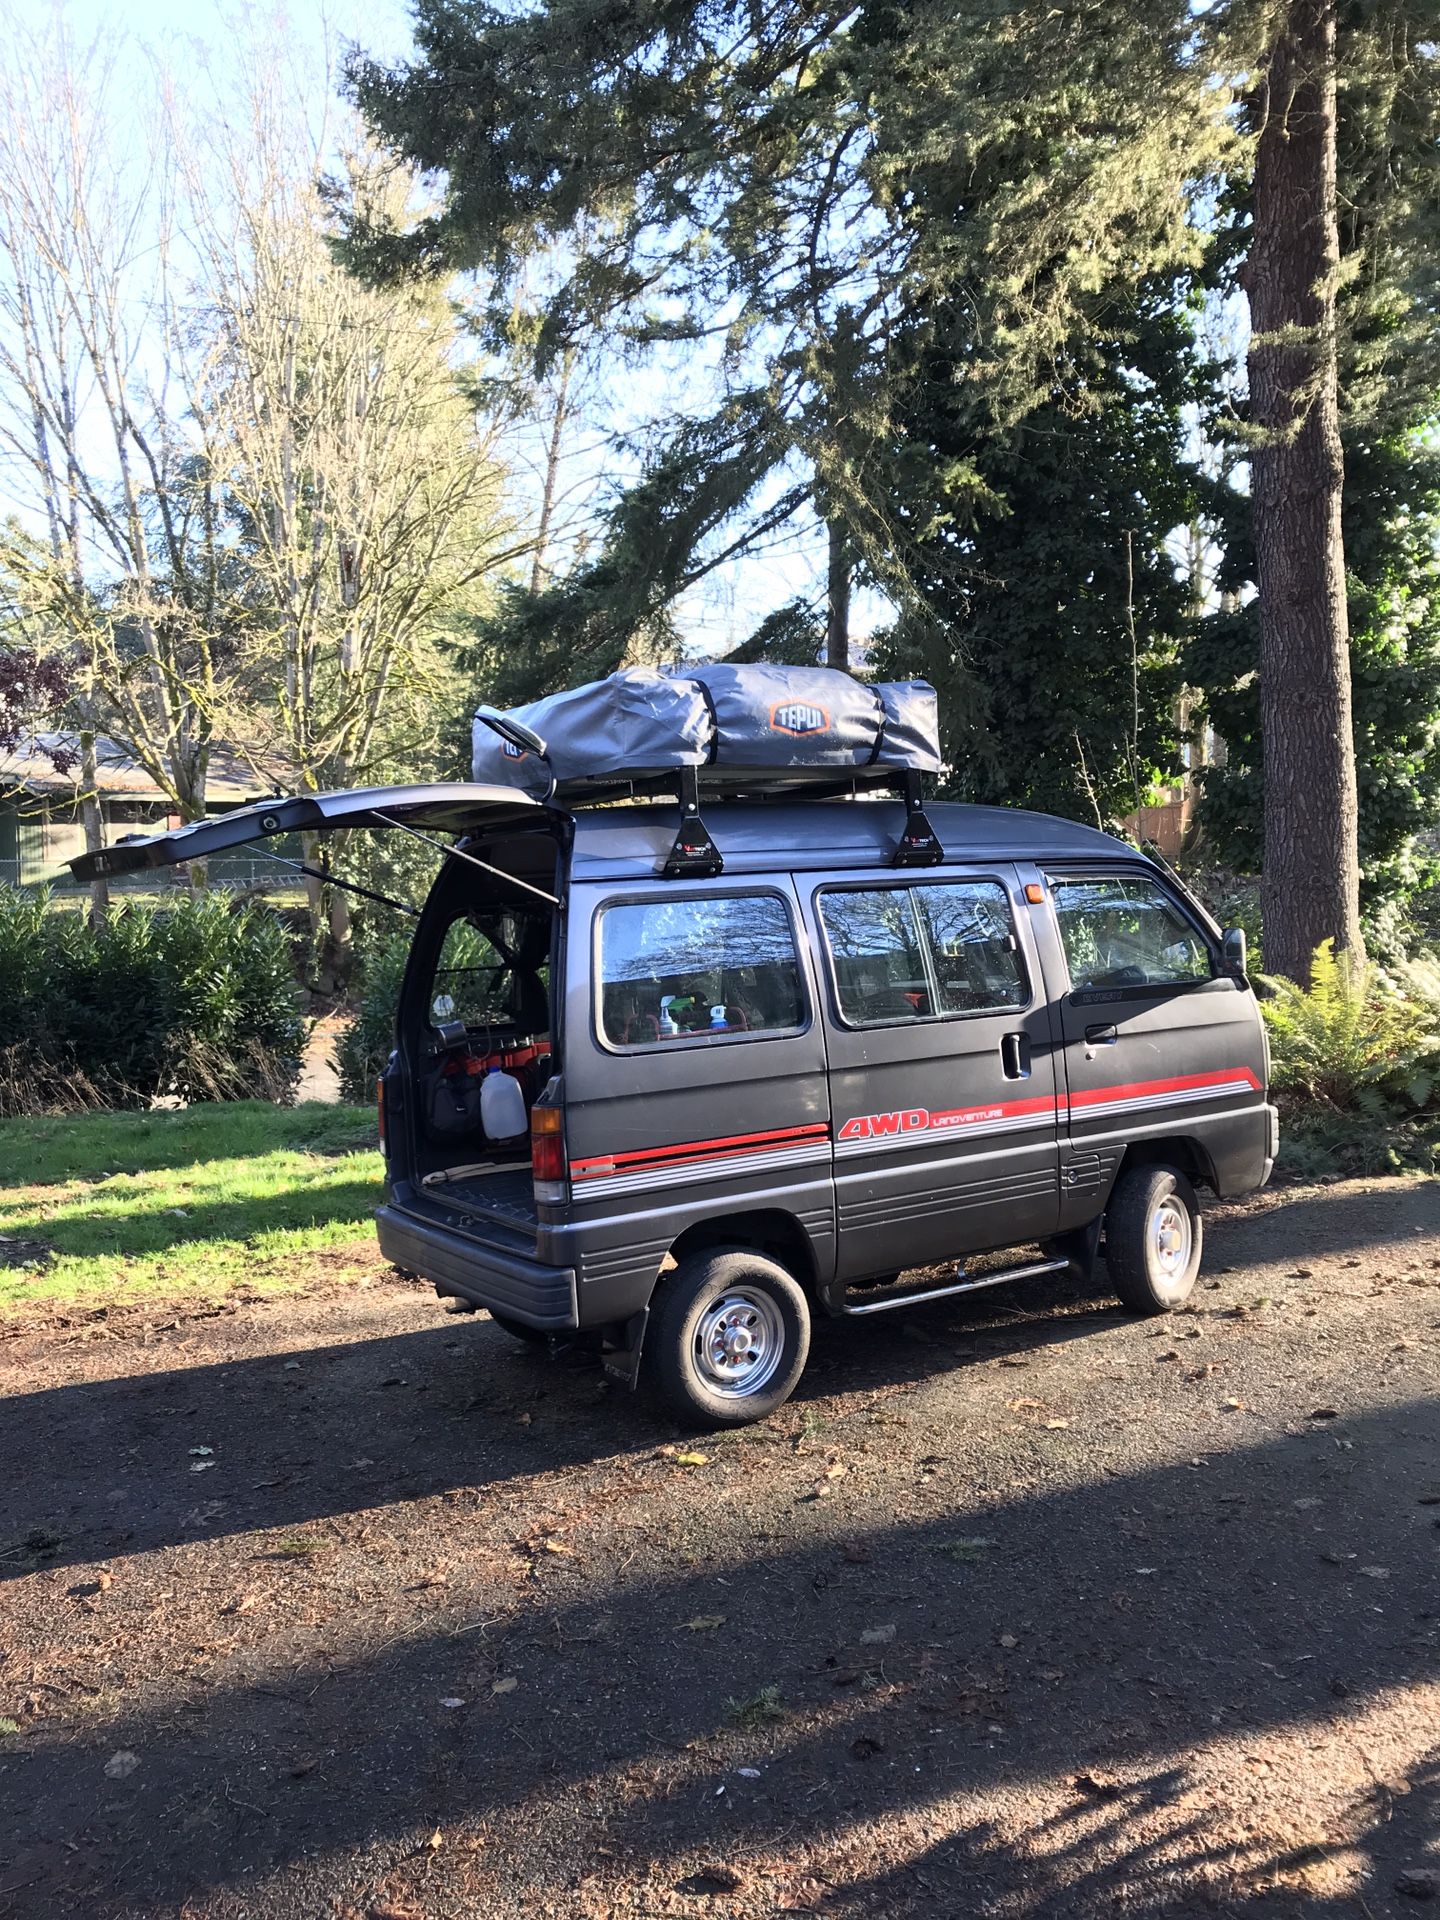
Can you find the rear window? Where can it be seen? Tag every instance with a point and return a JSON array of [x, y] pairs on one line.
[[914, 952], [694, 968]]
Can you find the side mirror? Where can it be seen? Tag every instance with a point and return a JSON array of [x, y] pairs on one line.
[[1233, 954]]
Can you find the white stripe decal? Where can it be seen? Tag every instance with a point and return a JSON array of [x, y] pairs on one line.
[[812, 1152], [723, 1167]]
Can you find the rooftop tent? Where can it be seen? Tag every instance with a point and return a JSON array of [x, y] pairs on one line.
[[640, 723]]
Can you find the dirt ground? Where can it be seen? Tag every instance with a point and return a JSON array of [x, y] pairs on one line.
[[339, 1605]]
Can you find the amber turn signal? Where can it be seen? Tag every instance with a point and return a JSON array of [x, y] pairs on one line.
[[1035, 893]]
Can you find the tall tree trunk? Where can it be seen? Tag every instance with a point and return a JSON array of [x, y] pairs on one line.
[[539, 572], [837, 601], [1310, 886], [92, 821]]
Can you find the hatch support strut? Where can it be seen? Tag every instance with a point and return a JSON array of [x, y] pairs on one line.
[[331, 880], [472, 859]]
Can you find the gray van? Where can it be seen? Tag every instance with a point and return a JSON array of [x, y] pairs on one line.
[[777, 1059]]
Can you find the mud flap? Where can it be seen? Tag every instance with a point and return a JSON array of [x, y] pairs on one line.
[[1081, 1247], [622, 1360]]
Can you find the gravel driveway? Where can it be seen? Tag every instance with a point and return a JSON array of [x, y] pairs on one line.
[[339, 1605]]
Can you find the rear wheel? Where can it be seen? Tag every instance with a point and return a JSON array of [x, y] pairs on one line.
[[728, 1338], [1153, 1239]]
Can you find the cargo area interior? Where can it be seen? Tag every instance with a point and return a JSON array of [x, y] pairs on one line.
[[480, 1008]]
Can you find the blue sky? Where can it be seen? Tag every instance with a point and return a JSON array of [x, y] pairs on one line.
[[735, 598]]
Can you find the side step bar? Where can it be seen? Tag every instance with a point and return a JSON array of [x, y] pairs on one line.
[[1030, 1271]]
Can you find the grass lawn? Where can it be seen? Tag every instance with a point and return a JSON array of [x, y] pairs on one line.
[[110, 1207]]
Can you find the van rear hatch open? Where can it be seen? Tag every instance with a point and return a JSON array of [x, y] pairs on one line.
[[456, 807]]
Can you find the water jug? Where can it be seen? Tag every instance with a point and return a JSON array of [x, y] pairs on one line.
[[502, 1106]]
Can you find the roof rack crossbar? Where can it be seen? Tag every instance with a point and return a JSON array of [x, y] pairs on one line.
[[919, 845], [694, 855]]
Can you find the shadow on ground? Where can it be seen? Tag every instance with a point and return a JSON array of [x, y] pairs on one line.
[[1059, 1724]]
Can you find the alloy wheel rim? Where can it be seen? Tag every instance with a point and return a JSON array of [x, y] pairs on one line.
[[739, 1342]]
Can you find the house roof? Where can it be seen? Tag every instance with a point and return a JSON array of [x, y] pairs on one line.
[[28, 768]]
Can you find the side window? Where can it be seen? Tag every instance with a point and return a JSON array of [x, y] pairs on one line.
[[725, 964], [494, 971], [978, 968], [907, 953], [1125, 931]]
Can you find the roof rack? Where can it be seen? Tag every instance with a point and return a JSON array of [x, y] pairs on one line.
[[694, 854]]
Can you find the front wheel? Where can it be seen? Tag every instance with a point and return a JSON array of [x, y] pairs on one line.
[[728, 1338], [1153, 1239]]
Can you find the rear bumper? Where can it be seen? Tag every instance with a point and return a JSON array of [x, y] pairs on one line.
[[1272, 1141], [464, 1269]]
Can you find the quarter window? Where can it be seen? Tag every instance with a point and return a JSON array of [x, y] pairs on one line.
[[675, 968], [1125, 931], [910, 953]]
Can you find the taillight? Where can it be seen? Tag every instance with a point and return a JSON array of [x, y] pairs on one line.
[[547, 1153], [380, 1111]]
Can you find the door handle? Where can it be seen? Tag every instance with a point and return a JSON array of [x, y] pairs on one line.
[[1015, 1056], [1101, 1036]]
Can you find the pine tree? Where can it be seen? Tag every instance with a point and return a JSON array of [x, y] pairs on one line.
[[1062, 612], [803, 181], [1389, 382]]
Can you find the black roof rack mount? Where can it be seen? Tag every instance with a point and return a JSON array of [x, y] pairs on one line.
[[695, 856], [919, 845]]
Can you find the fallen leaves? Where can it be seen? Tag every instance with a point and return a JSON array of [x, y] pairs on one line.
[[705, 1623], [1097, 1786], [692, 1459], [507, 1685], [121, 1765]]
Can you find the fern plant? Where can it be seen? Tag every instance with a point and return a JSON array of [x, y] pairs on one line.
[[1353, 1040]]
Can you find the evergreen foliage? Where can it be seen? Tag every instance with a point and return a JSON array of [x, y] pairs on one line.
[[793, 187], [196, 1001], [1389, 142], [1061, 612], [1350, 1040]]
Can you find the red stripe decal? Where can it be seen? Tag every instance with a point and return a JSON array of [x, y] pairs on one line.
[[875, 1126], [642, 1157], [1183, 1083]]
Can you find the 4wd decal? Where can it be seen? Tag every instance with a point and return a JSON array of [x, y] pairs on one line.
[[870, 1131], [798, 716], [886, 1126]]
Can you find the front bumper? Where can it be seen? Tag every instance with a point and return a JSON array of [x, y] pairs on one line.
[[464, 1269]]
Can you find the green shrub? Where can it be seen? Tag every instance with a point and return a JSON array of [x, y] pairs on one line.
[[365, 1045], [196, 1001], [1353, 1042]]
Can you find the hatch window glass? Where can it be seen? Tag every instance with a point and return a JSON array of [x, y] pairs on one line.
[[494, 971], [1126, 931], [673, 969], [912, 953]]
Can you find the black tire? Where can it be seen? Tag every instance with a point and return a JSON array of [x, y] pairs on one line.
[[517, 1329], [769, 1317], [1148, 1207]]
